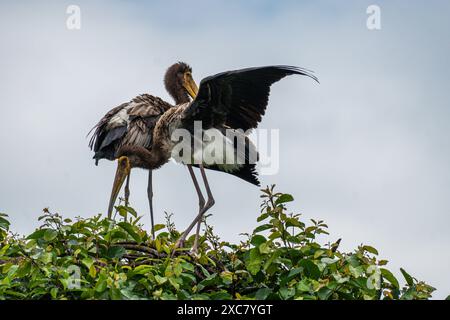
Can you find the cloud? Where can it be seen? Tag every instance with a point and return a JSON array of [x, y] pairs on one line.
[[366, 150]]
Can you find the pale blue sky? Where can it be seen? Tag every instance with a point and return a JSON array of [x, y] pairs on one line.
[[367, 150]]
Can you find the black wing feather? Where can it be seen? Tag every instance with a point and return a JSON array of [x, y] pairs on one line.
[[112, 136], [238, 98]]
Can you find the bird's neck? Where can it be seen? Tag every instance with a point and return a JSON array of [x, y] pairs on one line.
[[180, 95], [154, 158], [144, 158]]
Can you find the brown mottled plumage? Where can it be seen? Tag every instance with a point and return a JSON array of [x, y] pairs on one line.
[[130, 123]]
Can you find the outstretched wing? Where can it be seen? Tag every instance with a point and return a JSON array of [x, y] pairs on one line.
[[238, 98], [130, 123]]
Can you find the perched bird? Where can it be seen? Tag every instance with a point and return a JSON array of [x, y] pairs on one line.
[[128, 124], [225, 102]]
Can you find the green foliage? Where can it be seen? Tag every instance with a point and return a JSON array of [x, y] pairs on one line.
[[98, 258]]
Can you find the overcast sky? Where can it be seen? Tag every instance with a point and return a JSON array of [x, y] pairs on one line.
[[367, 150]]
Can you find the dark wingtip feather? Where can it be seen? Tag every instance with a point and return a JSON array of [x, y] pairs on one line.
[[298, 70]]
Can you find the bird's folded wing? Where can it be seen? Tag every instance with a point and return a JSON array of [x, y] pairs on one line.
[[130, 123]]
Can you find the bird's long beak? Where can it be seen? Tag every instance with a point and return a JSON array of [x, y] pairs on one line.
[[190, 85], [123, 170]]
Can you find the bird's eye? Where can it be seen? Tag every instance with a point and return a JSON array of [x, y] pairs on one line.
[[123, 161]]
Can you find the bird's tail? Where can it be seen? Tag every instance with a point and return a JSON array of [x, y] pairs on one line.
[[246, 172]]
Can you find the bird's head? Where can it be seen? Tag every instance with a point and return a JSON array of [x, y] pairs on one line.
[[179, 82], [124, 166]]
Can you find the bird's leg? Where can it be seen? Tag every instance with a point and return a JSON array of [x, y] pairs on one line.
[[207, 206], [150, 201], [209, 203], [197, 236], [127, 190], [201, 204]]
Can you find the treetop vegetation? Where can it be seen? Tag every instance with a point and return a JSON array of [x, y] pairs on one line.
[[99, 258]]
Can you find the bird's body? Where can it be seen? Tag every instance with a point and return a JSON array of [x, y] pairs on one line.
[[129, 124]]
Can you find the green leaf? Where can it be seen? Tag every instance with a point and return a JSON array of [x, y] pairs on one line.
[[116, 252], [293, 222], [54, 293], [254, 261], [101, 285], [284, 198], [174, 283], [46, 257], [212, 280], [24, 269], [160, 280], [304, 286], [38, 234], [390, 277], [324, 293], [408, 278], [116, 234], [92, 271], [192, 279], [262, 217], [227, 277], [50, 234], [262, 228], [130, 230], [257, 240], [88, 262], [293, 272], [264, 248], [131, 211], [159, 227], [311, 269], [4, 224], [371, 250], [275, 235], [318, 253], [274, 256], [188, 266], [287, 293], [115, 294], [262, 293], [143, 269], [122, 211]]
